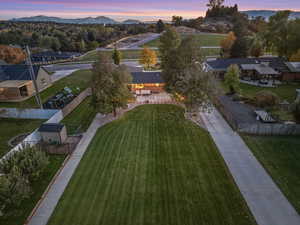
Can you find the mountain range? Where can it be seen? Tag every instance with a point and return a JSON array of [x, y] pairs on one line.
[[106, 20], [87, 20], [268, 13]]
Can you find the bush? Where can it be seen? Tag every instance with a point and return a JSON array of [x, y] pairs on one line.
[[296, 112], [266, 99]]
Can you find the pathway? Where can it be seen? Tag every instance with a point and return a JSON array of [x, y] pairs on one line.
[[267, 203], [47, 205]]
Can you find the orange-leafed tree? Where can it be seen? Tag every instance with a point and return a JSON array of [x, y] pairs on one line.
[[11, 55], [148, 58], [227, 43], [295, 57]]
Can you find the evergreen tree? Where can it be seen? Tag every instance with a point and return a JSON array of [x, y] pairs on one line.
[[116, 56], [160, 26], [232, 79]]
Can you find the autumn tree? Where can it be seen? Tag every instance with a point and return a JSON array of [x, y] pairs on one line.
[[226, 44], [148, 58], [109, 86], [11, 55], [116, 56], [295, 57], [232, 79]]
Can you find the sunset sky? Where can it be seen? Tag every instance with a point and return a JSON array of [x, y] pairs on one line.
[[124, 9]]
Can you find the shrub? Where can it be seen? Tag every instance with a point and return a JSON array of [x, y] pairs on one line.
[[296, 112], [30, 161], [266, 99]]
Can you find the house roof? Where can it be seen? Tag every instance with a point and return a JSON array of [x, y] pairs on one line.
[[275, 63], [293, 66], [146, 77], [14, 83], [51, 127], [265, 70], [17, 72]]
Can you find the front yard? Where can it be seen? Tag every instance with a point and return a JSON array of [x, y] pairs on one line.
[[80, 79], [152, 166], [280, 156]]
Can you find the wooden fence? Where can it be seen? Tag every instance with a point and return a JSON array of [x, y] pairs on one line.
[[270, 129]]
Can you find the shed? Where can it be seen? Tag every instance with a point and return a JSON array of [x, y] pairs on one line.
[[53, 133]]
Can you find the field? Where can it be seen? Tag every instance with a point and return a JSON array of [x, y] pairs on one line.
[[204, 40], [10, 128], [38, 187], [79, 120], [280, 156], [80, 79], [126, 54], [152, 167]]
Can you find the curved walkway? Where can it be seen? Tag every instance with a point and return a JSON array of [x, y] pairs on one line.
[[267, 203]]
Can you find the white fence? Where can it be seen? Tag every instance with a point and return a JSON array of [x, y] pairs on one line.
[[58, 116], [18, 113], [270, 129]]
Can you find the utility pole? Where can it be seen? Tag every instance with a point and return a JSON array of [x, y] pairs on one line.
[[32, 76]]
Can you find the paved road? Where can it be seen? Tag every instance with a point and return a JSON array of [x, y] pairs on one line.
[[266, 202]]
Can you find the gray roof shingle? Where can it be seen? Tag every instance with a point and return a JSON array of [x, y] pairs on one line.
[[146, 78], [17, 72]]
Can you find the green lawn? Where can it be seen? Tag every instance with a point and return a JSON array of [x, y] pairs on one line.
[[10, 128], [204, 40], [79, 120], [280, 156], [284, 92], [152, 167], [20, 215], [126, 54], [79, 79]]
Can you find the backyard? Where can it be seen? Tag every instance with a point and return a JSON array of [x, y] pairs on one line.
[[12, 127], [80, 79], [152, 166], [280, 156]]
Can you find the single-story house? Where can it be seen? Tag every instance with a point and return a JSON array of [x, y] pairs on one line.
[[270, 68], [53, 133], [16, 83], [147, 81], [49, 56]]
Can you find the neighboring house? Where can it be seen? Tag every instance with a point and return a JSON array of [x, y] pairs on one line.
[[147, 81], [53, 133], [2, 62], [270, 68], [16, 83], [47, 57]]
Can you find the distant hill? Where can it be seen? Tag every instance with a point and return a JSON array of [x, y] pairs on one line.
[[87, 20], [268, 13], [131, 22]]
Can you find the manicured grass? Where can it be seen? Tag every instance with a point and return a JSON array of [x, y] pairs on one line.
[[126, 54], [152, 167], [79, 79], [204, 40], [285, 91], [38, 187], [280, 156], [10, 128], [80, 119]]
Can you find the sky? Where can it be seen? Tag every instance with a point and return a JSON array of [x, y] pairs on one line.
[[128, 9]]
